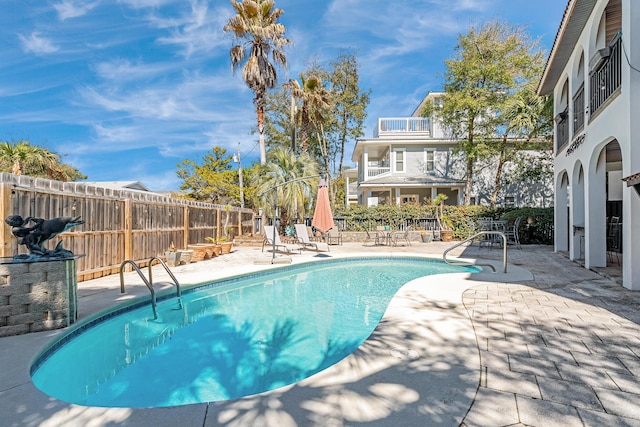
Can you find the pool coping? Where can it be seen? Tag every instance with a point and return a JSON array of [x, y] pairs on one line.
[[376, 377]]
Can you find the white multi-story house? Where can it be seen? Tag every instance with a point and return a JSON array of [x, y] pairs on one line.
[[593, 73], [412, 159]]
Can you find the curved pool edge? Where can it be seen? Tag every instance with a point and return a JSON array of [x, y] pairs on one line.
[[382, 380], [420, 366]]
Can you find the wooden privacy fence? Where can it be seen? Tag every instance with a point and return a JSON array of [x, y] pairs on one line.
[[119, 224]]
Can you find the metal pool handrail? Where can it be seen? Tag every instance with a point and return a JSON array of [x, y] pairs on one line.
[[149, 282], [469, 239]]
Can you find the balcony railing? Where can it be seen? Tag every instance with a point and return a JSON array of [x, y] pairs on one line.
[[400, 126], [578, 110], [373, 171], [606, 75]]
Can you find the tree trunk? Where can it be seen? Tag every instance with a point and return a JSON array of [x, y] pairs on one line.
[[498, 180], [293, 124], [470, 160], [343, 140], [304, 130], [469, 182], [260, 110]]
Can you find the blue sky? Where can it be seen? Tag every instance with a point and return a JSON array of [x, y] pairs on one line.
[[126, 89]]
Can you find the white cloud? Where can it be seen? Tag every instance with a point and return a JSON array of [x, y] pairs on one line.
[[37, 44], [200, 30], [74, 8], [144, 4], [122, 70], [195, 98]]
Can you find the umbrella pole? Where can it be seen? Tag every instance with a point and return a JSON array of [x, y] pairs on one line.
[[275, 197], [273, 238]]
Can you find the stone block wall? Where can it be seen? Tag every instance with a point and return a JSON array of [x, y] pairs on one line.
[[37, 296]]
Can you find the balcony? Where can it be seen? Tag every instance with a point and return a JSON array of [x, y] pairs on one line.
[[374, 171], [606, 74], [406, 126]]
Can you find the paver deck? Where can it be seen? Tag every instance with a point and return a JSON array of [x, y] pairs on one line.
[[555, 345]]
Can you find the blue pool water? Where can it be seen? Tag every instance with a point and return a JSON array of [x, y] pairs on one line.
[[232, 338]]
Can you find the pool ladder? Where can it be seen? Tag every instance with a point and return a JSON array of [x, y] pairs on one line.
[[149, 281], [470, 239]]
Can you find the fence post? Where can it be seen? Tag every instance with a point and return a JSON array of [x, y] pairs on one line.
[[217, 223], [5, 209], [185, 226], [128, 230]]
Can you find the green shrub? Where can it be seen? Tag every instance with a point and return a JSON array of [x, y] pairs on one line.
[[460, 218]]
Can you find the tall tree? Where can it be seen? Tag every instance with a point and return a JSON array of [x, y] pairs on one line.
[[22, 158], [213, 180], [490, 65], [528, 119], [291, 179], [258, 35], [329, 129], [350, 103], [314, 101]]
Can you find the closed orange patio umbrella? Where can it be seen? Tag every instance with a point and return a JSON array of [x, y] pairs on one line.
[[322, 216]]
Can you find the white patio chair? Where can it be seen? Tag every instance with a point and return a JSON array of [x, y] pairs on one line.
[[303, 239], [279, 246]]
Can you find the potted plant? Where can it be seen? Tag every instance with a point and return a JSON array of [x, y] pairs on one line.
[[172, 256], [426, 238], [186, 255], [226, 245], [217, 247], [446, 233]]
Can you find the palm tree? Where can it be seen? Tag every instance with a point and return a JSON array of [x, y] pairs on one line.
[[300, 173], [315, 99], [22, 158], [258, 33]]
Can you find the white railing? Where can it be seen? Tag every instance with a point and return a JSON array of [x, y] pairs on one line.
[[376, 171], [406, 125]]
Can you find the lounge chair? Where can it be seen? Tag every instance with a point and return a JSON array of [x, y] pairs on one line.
[[303, 239], [279, 246], [314, 237]]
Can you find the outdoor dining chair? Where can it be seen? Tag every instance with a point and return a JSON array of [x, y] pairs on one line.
[[383, 235], [512, 233], [334, 236], [400, 236]]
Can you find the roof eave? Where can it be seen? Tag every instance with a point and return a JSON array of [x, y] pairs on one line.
[[575, 16]]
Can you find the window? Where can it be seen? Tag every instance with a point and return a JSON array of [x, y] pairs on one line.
[[509, 202], [399, 161], [409, 198], [429, 156]]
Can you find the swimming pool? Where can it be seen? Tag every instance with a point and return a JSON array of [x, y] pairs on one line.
[[231, 338]]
